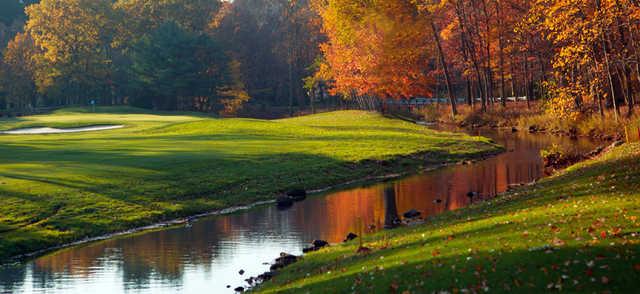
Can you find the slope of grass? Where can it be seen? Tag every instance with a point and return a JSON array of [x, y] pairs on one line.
[[59, 188], [575, 232]]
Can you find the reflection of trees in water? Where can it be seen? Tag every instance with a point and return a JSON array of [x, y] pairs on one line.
[[12, 277], [391, 218], [163, 255], [43, 279], [332, 218]]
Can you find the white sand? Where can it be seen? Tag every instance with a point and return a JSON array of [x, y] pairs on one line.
[[36, 131]]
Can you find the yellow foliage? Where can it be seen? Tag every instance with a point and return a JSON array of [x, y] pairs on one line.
[[562, 104]]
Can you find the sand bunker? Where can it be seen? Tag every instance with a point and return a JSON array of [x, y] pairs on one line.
[[36, 131]]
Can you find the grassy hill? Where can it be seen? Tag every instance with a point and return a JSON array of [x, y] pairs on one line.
[[59, 188], [578, 231]]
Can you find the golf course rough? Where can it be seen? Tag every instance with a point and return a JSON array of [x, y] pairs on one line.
[[59, 188]]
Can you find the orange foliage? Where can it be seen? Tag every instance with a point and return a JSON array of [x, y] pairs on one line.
[[381, 48]]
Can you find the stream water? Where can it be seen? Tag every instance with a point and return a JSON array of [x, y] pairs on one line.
[[207, 256]]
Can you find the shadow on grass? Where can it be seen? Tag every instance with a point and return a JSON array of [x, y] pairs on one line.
[[570, 269]]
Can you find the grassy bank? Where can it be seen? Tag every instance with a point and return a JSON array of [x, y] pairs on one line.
[[577, 231], [58, 188]]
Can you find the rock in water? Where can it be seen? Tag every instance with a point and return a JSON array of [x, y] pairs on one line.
[[239, 289], [266, 276], [320, 243], [350, 237], [412, 214], [276, 266], [297, 194], [284, 202], [286, 259], [241, 272]]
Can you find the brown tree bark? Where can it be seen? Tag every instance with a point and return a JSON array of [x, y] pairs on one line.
[[445, 68]]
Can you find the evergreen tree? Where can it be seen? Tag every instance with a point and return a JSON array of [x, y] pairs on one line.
[[173, 67]]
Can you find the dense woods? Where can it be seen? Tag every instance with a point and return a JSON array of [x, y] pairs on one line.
[[206, 55], [578, 57]]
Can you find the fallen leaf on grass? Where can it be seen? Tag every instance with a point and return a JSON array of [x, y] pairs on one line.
[[558, 242]]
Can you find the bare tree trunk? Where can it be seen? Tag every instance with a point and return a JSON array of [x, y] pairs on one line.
[[513, 78], [445, 68], [489, 70], [462, 20], [312, 96], [469, 93], [526, 80], [502, 79], [290, 84], [616, 110]]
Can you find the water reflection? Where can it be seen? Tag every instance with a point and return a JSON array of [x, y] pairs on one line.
[[391, 218], [208, 256]]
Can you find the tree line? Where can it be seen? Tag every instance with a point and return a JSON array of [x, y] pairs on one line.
[[580, 55], [200, 55], [212, 55]]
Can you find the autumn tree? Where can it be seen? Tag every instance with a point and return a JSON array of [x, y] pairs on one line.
[[596, 52], [379, 48], [75, 41], [17, 73]]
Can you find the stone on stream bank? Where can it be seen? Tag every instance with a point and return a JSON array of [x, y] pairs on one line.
[[316, 245], [285, 259], [284, 202], [297, 194], [350, 237], [291, 196]]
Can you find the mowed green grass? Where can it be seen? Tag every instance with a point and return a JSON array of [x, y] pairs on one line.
[[577, 232], [63, 187]]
